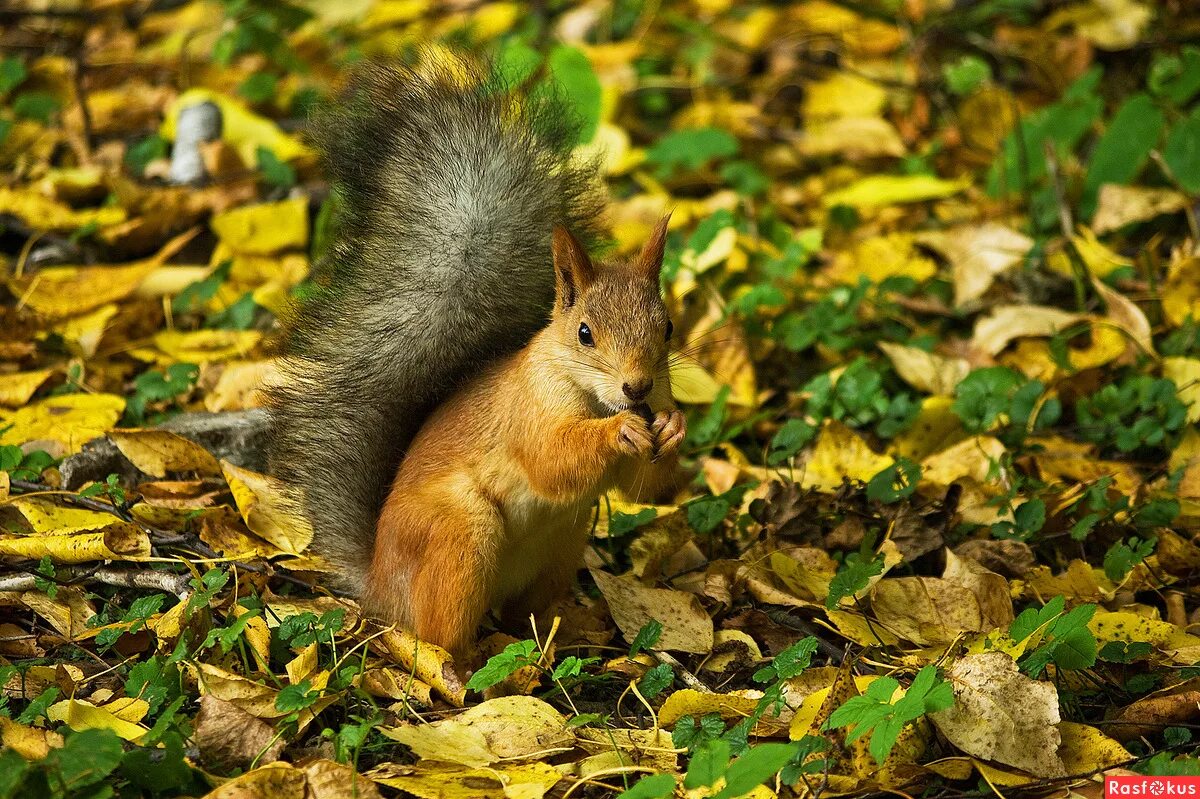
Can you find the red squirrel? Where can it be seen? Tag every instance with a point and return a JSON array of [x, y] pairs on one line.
[[465, 382]]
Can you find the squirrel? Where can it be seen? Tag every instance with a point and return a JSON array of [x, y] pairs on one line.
[[464, 381]]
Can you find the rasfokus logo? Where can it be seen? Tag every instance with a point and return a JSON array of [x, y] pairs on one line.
[[1135, 785]]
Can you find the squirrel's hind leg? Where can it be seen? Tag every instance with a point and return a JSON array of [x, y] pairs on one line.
[[434, 566], [563, 561]]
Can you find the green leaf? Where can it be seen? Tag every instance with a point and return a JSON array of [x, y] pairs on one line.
[[259, 87], [656, 680], [656, 786], [691, 149], [500, 667], [195, 295], [13, 769], [853, 576], [790, 662], [36, 709], [646, 637], [967, 74], [141, 153], [86, 758], [1124, 149], [983, 395], [874, 713], [296, 697], [894, 483], [39, 106], [1182, 151], [752, 769], [573, 72], [1175, 78], [517, 62], [620, 524], [707, 765], [275, 172], [12, 74], [706, 514]]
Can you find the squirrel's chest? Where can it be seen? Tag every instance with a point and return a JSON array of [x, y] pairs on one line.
[[536, 533]]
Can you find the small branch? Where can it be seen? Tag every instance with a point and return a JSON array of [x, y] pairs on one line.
[[168, 582], [689, 679]]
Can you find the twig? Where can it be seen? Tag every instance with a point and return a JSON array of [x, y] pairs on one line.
[[169, 582], [689, 679]]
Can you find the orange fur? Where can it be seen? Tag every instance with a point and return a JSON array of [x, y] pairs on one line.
[[492, 504]]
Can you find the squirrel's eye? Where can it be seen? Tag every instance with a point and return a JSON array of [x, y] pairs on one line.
[[585, 335], [670, 329]]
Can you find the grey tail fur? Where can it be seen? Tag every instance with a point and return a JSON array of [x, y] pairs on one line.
[[449, 185]]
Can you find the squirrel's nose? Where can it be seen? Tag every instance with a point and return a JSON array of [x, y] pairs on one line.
[[637, 391]]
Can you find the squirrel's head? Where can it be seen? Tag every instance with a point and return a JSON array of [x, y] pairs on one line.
[[610, 323]]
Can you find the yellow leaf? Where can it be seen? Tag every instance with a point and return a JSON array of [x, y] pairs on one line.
[[852, 137], [16, 388], [157, 452], [926, 371], [80, 715], [30, 743], [507, 727], [977, 254], [691, 383], [936, 427], [85, 332], [1108, 24], [1185, 374], [67, 422], [997, 330], [443, 781], [1099, 259], [881, 190], [428, 663], [63, 291], [844, 94], [118, 541], [1120, 205], [1086, 750], [690, 702], [880, 257], [242, 128], [203, 346], [686, 625], [263, 504], [45, 516], [839, 454], [264, 228], [975, 458], [42, 213], [1181, 289]]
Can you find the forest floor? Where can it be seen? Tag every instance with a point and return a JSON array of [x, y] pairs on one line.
[[934, 267]]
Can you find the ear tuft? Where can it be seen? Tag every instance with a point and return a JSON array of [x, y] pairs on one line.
[[651, 257], [573, 271]]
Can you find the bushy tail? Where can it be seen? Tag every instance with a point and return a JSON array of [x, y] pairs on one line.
[[448, 188]]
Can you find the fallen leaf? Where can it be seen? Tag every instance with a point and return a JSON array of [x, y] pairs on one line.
[[507, 728], [1002, 715], [977, 255], [926, 371], [686, 627], [877, 191], [1120, 205], [62, 424], [157, 452], [261, 500]]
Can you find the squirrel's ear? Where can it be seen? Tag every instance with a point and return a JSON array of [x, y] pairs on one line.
[[573, 270], [651, 257]]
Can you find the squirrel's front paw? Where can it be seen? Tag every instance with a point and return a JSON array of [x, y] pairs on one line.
[[633, 435], [668, 430]]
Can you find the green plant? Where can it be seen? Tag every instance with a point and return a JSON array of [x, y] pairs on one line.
[[1137, 413], [1066, 640], [875, 713]]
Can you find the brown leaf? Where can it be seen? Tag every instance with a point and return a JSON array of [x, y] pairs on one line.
[[229, 737]]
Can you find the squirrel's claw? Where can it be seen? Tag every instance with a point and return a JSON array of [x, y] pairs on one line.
[[668, 429], [633, 435]]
